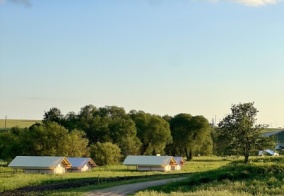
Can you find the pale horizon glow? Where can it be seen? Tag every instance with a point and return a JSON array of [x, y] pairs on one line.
[[250, 3], [160, 56], [257, 2]]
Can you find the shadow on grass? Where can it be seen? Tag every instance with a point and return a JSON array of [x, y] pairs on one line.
[[195, 160]]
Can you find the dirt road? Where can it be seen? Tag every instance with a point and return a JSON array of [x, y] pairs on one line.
[[130, 188]]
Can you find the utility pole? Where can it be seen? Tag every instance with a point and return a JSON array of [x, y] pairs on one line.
[[5, 123]]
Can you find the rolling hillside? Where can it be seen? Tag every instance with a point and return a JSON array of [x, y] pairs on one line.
[[13, 123]]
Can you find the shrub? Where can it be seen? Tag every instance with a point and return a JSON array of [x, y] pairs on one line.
[[105, 153]]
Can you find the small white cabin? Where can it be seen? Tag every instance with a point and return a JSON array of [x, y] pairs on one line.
[[150, 163], [41, 164], [81, 164]]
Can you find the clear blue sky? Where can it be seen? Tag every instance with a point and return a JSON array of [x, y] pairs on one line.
[[159, 56]]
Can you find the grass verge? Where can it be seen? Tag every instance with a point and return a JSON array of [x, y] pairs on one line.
[[262, 176]]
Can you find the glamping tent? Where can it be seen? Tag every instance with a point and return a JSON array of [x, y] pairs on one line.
[[180, 162], [150, 163], [41, 164], [81, 164]]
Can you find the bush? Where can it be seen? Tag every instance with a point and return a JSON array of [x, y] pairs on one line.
[[105, 153]]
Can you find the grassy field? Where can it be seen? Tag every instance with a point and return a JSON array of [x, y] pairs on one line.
[[11, 181], [266, 130], [13, 123], [262, 176], [205, 176]]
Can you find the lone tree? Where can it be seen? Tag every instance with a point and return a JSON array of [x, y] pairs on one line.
[[240, 130]]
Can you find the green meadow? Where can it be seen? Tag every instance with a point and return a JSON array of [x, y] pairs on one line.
[[8, 123], [262, 176], [204, 176]]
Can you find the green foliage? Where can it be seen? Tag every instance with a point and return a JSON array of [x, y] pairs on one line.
[[191, 135], [153, 131], [134, 133], [110, 124], [53, 115], [77, 144], [238, 132], [105, 153], [9, 146], [47, 139], [70, 121]]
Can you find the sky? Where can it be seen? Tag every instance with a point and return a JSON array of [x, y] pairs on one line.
[[163, 57]]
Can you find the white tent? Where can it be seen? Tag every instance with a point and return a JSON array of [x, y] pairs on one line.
[[179, 163], [150, 163], [81, 164], [41, 164]]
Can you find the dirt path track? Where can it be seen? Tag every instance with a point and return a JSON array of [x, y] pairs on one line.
[[130, 188]]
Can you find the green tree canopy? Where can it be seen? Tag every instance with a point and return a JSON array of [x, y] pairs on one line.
[[239, 130], [153, 131], [52, 139], [110, 124], [10, 143], [53, 115], [105, 153], [77, 144], [191, 135]]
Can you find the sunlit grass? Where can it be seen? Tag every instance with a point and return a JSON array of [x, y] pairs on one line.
[[262, 176], [11, 181], [13, 123]]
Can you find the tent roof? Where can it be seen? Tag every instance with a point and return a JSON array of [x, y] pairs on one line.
[[179, 160], [79, 163], [148, 160], [268, 134], [38, 162]]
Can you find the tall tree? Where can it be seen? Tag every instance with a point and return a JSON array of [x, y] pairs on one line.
[[10, 143], [77, 144], [240, 130], [52, 139], [190, 134], [53, 115], [110, 124], [153, 131], [71, 121]]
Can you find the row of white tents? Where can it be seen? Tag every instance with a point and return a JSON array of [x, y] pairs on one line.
[[51, 165], [59, 165]]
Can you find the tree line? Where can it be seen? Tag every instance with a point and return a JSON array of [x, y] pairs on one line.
[[108, 134]]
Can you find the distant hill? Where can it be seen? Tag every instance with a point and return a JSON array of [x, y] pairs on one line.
[[13, 123], [266, 130]]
